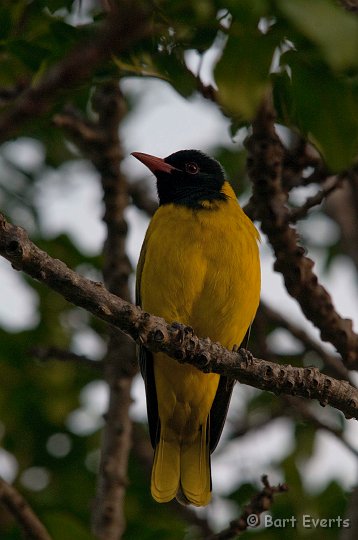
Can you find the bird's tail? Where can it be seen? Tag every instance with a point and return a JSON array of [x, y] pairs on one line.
[[182, 469]]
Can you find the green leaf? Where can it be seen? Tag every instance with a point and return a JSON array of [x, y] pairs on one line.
[[61, 525], [31, 54], [5, 23], [242, 74], [305, 439], [174, 69], [327, 25], [323, 106]]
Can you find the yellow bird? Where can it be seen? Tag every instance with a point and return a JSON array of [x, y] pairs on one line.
[[199, 265]]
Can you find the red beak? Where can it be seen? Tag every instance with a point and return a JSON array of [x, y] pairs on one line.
[[154, 164]]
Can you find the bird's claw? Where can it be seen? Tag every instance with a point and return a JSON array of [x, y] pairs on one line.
[[246, 356]]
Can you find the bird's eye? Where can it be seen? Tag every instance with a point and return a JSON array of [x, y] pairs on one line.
[[191, 168]]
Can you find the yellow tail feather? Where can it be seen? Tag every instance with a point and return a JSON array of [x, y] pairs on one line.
[[166, 470], [195, 477], [182, 469]]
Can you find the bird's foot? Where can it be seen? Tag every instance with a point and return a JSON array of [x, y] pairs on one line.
[[246, 356]]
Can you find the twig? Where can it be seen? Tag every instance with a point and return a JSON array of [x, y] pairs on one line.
[[265, 165], [176, 340], [298, 158], [332, 183], [53, 353], [138, 192], [350, 5], [91, 140], [250, 516], [207, 91], [299, 408], [122, 28], [333, 365], [24, 515], [11, 92], [249, 426]]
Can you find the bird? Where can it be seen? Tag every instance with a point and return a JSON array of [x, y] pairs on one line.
[[199, 265]]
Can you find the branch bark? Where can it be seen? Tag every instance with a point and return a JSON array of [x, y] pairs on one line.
[[24, 515], [265, 167], [176, 340]]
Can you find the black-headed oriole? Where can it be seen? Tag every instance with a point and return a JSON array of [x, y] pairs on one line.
[[199, 265]]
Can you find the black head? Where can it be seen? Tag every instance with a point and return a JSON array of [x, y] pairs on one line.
[[187, 177]]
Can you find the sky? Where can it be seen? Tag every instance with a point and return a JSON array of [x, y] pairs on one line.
[[70, 200]]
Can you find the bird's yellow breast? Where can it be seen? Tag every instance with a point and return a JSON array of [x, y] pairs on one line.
[[202, 268]]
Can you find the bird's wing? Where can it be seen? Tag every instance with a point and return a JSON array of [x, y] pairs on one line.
[[219, 410], [221, 403], [145, 359]]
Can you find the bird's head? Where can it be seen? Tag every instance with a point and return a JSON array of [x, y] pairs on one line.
[[187, 177]]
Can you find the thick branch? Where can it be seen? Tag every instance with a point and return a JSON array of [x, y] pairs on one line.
[[122, 28], [250, 516], [265, 166], [120, 365], [176, 340], [99, 142], [24, 515]]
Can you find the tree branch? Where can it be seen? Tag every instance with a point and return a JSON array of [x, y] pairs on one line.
[[350, 5], [297, 408], [265, 166], [99, 142], [301, 156], [332, 183], [138, 192], [24, 515], [176, 340], [261, 502], [120, 364], [332, 364], [54, 353], [122, 28]]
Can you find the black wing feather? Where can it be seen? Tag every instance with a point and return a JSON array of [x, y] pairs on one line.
[[221, 404], [145, 360]]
